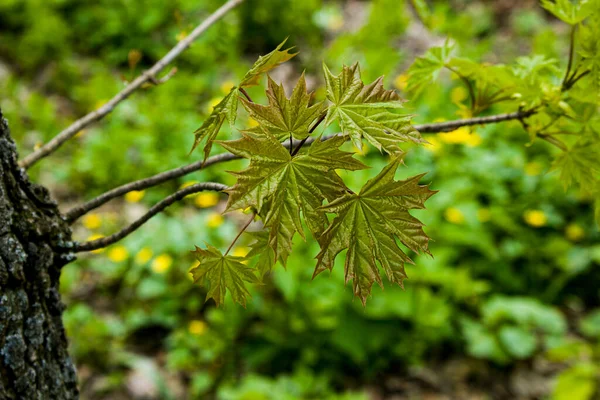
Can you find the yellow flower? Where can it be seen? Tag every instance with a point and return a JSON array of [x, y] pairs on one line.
[[207, 199], [197, 327], [80, 133], [484, 214], [187, 184], [212, 103], [95, 237], [181, 35], [400, 81], [92, 221], [574, 232], [533, 168], [454, 215], [535, 218], [363, 151], [118, 254], [143, 256], [214, 220], [135, 196], [37, 146], [461, 135], [227, 86], [252, 123], [458, 94], [162, 263], [434, 145]]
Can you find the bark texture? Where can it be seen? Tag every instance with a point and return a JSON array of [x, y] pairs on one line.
[[34, 360]]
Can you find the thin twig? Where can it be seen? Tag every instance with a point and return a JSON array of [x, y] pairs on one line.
[[158, 207], [147, 76], [448, 126], [553, 140], [468, 83], [76, 212], [571, 53], [240, 234], [303, 141], [246, 95]]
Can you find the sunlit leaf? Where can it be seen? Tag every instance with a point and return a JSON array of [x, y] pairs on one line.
[[366, 111], [425, 69], [280, 186], [568, 11], [284, 117], [367, 225], [266, 63]]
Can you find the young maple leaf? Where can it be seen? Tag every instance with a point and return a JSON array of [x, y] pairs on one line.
[[284, 117], [364, 111], [223, 273], [226, 109], [266, 63], [280, 186], [368, 223]]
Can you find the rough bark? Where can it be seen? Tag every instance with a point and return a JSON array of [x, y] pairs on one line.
[[34, 360]]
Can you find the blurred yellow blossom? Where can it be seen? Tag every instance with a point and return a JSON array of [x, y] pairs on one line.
[[95, 237], [162, 263], [535, 218], [92, 221], [214, 220], [187, 184], [458, 94], [252, 123], [454, 215], [118, 253], [400, 81], [363, 151], [197, 327], [135, 196], [434, 144], [80, 133], [206, 199], [574, 232], [181, 35], [461, 136], [464, 111], [37, 146], [484, 214], [143, 256], [212, 103], [533, 168], [227, 86]]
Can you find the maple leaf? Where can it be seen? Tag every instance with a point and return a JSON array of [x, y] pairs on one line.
[[364, 111], [368, 223], [581, 163], [569, 12], [280, 186], [266, 63], [223, 273], [284, 117], [261, 251], [426, 68], [226, 109]]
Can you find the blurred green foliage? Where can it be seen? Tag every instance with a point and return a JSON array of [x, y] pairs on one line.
[[516, 270]]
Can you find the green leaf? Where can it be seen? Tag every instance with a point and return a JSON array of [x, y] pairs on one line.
[[365, 111], [426, 68], [223, 273], [570, 12], [284, 117], [280, 186], [368, 223], [226, 109], [265, 64], [520, 343], [576, 383], [261, 251], [580, 164]]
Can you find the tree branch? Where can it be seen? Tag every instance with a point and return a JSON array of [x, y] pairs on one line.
[[76, 247], [147, 76], [76, 212], [448, 126]]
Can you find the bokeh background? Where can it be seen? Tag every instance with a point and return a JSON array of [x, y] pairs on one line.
[[508, 308]]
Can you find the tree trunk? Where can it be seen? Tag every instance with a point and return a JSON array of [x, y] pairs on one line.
[[34, 359]]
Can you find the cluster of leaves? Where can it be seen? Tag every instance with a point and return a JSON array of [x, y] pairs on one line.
[[564, 104], [283, 185]]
